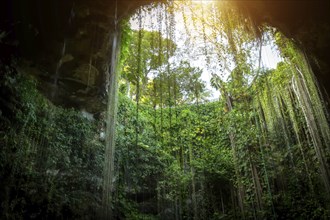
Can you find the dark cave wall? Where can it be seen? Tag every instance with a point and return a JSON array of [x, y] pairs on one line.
[[63, 41], [307, 22], [35, 31]]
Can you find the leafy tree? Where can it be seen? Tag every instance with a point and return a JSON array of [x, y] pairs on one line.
[[181, 85], [151, 56]]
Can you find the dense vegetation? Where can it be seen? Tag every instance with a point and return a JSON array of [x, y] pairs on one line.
[[51, 158], [260, 151]]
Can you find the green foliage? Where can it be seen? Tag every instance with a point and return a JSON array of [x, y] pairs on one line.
[[140, 161], [179, 85], [150, 56], [51, 158], [244, 156]]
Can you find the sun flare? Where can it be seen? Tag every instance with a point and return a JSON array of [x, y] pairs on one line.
[[199, 2], [202, 1]]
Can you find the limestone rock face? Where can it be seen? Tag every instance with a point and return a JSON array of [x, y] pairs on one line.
[[66, 44], [306, 22]]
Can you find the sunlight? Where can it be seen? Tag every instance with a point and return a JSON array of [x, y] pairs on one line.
[[204, 2], [199, 33]]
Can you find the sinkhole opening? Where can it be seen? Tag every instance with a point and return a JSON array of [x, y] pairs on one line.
[[206, 41], [217, 116]]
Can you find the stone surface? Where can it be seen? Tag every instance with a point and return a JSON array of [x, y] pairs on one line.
[[306, 22], [65, 44]]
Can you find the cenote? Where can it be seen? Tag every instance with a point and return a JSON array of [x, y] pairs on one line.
[[191, 109]]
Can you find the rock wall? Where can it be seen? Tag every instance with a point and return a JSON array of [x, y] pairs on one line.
[[306, 22], [65, 44]]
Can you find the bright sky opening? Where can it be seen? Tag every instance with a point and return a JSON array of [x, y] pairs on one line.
[[192, 46]]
